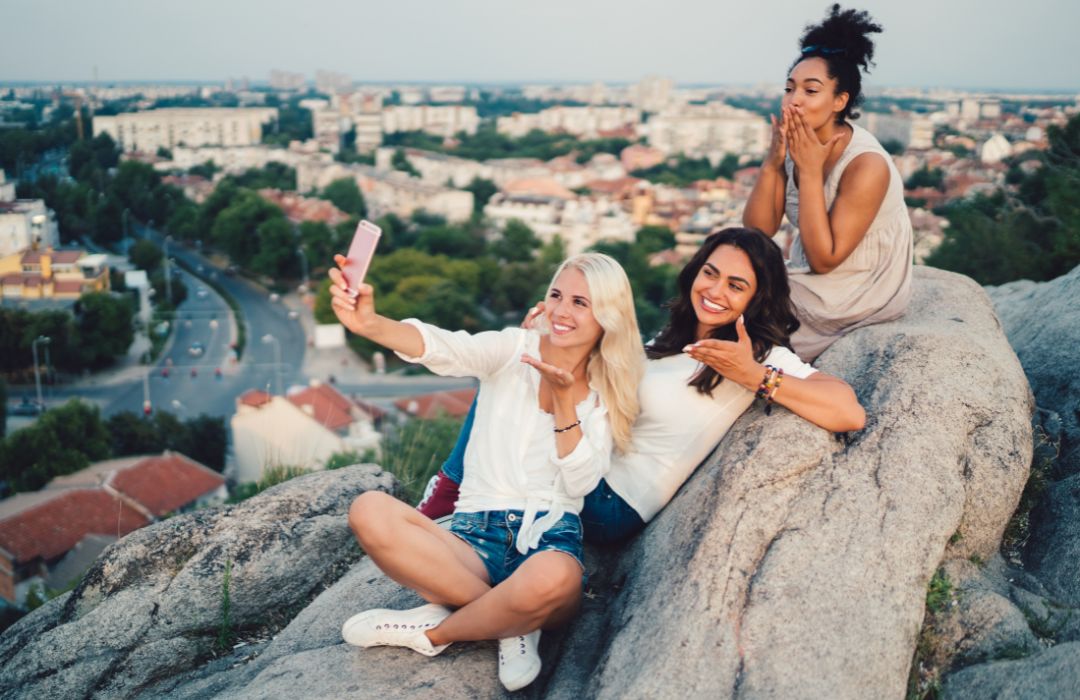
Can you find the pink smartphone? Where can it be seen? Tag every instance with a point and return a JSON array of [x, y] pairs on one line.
[[361, 250]]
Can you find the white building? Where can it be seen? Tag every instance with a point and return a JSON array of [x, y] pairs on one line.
[[581, 222], [389, 192], [653, 94], [996, 149], [302, 429], [172, 127], [436, 168], [237, 160], [440, 120], [710, 130], [7, 189], [912, 130], [25, 223], [286, 80], [330, 82], [329, 127], [585, 122]]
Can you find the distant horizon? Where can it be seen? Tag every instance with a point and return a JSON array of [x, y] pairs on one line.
[[970, 45], [869, 88]]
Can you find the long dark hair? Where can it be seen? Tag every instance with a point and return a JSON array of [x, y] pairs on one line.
[[843, 41], [770, 316]]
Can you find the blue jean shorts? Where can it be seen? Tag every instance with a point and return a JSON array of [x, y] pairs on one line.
[[492, 533]]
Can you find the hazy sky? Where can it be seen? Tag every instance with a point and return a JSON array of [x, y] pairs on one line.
[[928, 43]]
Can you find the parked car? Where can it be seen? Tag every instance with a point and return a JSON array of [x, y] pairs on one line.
[[26, 407]]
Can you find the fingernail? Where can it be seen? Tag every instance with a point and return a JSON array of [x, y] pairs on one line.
[[688, 348], [353, 293]]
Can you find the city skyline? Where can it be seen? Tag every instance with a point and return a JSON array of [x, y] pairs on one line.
[[962, 45]]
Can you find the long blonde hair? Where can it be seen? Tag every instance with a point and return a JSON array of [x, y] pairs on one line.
[[617, 363]]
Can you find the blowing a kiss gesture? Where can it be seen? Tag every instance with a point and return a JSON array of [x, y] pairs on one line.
[[733, 360]]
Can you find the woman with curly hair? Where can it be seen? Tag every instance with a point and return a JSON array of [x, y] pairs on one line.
[[851, 256]]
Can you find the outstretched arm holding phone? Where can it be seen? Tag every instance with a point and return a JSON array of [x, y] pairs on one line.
[[356, 311]]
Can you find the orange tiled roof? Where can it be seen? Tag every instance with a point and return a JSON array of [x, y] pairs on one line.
[[254, 398], [329, 407], [65, 286], [166, 483], [455, 403], [54, 526]]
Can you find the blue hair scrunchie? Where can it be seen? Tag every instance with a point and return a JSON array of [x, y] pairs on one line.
[[824, 50]]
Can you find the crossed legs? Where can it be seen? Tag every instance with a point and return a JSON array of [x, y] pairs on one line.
[[545, 591]]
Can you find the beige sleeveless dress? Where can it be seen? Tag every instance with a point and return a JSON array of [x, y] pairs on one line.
[[873, 284]]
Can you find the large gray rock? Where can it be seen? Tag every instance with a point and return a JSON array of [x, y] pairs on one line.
[[1042, 322], [793, 564], [1051, 675], [150, 607]]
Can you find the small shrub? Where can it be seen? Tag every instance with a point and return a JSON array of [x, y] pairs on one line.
[[272, 476]]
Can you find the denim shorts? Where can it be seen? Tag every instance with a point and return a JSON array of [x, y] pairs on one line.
[[607, 518], [491, 534]]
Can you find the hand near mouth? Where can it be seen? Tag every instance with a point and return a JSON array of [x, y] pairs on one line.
[[559, 379]]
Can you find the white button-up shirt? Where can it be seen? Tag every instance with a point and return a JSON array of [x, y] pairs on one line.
[[508, 466]]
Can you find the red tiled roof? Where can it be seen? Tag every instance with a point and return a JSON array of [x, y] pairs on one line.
[[455, 403], [254, 398], [53, 527], [166, 483], [328, 407], [62, 286], [59, 257]]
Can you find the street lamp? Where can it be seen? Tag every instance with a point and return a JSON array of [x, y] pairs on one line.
[[168, 272], [303, 264], [44, 340], [277, 359]]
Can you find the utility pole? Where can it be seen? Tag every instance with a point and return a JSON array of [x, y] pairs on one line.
[[44, 340]]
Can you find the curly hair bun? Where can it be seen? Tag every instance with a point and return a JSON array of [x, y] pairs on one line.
[[843, 33]]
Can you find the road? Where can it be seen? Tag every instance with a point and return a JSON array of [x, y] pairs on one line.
[[190, 384]]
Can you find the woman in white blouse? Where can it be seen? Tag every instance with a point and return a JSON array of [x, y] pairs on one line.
[[551, 408]]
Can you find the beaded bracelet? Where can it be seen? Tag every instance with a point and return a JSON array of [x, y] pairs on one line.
[[767, 382], [569, 427], [772, 392]]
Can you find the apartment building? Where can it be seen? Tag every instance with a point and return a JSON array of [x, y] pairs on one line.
[[710, 130], [169, 128]]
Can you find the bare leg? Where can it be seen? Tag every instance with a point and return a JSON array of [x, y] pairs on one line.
[[545, 591], [417, 553]]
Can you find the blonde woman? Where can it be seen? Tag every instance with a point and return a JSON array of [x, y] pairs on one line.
[[552, 406]]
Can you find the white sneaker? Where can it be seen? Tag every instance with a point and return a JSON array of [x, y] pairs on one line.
[[519, 660], [396, 628]]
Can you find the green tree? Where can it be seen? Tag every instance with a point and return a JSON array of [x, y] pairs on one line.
[[482, 192], [452, 241], [64, 440], [653, 239], [346, 196], [276, 257], [145, 255], [401, 162], [103, 328], [235, 229], [3, 408], [518, 243], [206, 441], [132, 434]]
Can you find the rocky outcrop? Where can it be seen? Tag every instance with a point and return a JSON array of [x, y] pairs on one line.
[[793, 564], [1042, 586], [151, 606]]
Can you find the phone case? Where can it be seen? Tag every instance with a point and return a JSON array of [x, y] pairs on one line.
[[361, 251]]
